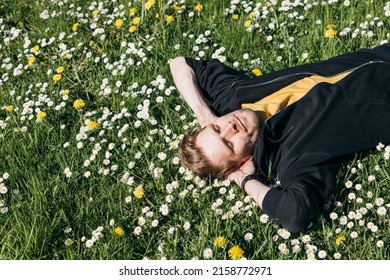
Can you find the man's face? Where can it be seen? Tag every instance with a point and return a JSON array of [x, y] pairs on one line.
[[230, 137]]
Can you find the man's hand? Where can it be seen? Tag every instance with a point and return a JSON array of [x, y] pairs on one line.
[[254, 188], [246, 169], [206, 119]]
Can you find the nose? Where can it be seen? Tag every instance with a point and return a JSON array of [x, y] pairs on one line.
[[230, 130]]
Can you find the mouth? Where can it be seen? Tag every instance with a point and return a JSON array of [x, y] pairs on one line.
[[241, 123]]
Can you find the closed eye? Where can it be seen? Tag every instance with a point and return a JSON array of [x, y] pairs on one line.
[[230, 145], [226, 142]]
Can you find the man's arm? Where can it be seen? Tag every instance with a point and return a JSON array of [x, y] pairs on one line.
[[254, 188], [187, 85]]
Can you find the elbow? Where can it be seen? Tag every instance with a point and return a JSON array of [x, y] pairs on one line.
[[295, 212], [177, 62], [181, 70], [299, 217], [295, 223]]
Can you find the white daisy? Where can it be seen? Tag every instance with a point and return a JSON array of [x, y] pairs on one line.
[[354, 235], [343, 220], [208, 253], [380, 243], [264, 218], [374, 228], [3, 189], [89, 243], [296, 248], [379, 201], [248, 236], [333, 216], [306, 238], [348, 184], [187, 226], [137, 230], [381, 211], [322, 254], [68, 242], [154, 223], [171, 230], [311, 256]]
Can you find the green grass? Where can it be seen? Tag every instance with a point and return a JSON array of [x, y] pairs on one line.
[[41, 203]]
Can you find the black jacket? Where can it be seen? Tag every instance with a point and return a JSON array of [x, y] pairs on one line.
[[305, 143]]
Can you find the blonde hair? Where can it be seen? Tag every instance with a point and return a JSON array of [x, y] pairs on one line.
[[193, 158]]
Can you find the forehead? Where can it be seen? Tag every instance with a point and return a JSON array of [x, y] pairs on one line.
[[212, 145]]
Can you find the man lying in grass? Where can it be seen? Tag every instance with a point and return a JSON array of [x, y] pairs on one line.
[[294, 127]]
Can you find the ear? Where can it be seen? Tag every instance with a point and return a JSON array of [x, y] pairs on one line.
[[244, 161]]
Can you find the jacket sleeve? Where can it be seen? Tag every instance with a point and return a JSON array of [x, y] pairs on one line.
[[352, 60], [216, 81], [301, 199]]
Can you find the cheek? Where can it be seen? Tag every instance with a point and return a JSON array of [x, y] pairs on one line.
[[242, 144], [247, 146]]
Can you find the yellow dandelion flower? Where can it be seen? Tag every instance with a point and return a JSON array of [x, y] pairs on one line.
[[78, 103], [330, 33], [41, 115], [57, 78], [118, 231], [132, 28], [9, 108], [75, 26], [31, 60], [95, 13], [139, 192], [220, 242], [149, 4], [236, 252], [176, 8], [248, 23], [35, 49], [170, 19], [60, 69], [91, 43], [136, 20], [92, 125], [252, 15], [157, 15], [118, 23], [132, 11], [330, 26], [340, 239], [234, 16], [65, 92], [257, 72], [198, 7]]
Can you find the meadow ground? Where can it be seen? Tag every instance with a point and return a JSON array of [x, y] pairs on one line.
[[90, 123]]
